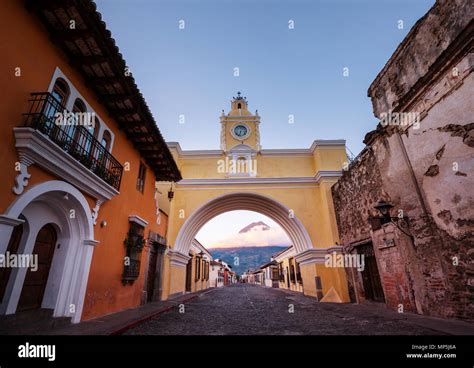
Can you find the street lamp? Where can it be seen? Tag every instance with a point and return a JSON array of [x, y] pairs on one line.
[[384, 209], [170, 193]]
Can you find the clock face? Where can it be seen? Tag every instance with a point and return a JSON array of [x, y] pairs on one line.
[[241, 131]]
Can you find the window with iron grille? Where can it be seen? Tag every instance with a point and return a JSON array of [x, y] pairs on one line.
[[134, 243], [299, 279], [141, 177], [292, 271], [275, 273], [198, 268], [280, 272]]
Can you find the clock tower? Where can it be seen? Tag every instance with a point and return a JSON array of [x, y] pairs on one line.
[[240, 128]]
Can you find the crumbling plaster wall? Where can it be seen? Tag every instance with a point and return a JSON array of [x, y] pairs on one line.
[[426, 169], [419, 51]]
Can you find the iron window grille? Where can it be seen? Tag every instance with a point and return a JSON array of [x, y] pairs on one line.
[[134, 244]]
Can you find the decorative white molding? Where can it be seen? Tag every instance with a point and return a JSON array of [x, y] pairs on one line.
[[10, 221], [138, 220], [91, 242], [237, 118], [241, 149], [178, 259], [257, 135], [286, 253], [73, 95], [253, 181], [335, 248], [33, 146], [327, 174], [75, 264], [194, 153], [331, 144], [245, 181], [197, 247], [223, 140], [95, 211], [327, 144], [243, 201], [316, 255], [21, 180]]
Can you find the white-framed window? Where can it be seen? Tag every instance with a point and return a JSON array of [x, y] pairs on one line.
[[62, 89]]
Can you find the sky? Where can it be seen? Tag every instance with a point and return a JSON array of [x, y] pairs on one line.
[[190, 71], [282, 71], [223, 231]]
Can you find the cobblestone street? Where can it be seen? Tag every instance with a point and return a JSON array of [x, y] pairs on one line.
[[244, 309]]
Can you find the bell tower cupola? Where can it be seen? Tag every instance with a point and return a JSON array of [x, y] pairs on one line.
[[239, 127]]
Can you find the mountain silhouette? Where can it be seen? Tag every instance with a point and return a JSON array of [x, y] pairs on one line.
[[246, 258], [260, 225]]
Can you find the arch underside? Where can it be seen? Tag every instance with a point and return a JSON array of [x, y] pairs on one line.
[[243, 201]]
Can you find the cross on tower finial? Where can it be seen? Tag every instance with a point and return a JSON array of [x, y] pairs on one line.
[[239, 97]]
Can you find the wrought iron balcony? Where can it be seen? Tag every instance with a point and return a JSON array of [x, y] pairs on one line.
[[72, 138]]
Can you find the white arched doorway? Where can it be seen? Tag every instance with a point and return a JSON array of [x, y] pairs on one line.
[[267, 206], [63, 207]]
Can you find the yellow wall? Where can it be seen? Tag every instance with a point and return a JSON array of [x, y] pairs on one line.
[[267, 166], [311, 202], [231, 141], [284, 284]]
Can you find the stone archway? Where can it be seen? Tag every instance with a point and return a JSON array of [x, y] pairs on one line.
[[243, 201], [249, 201], [63, 206]]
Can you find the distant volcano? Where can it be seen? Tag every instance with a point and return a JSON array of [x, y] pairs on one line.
[[256, 234], [255, 226]]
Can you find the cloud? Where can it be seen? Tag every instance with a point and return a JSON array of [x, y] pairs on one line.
[[259, 236]]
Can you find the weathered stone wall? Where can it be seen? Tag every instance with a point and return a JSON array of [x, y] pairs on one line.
[[426, 169], [355, 195], [440, 152], [419, 52], [397, 268]]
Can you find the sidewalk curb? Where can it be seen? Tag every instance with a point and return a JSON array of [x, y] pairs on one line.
[[135, 323]]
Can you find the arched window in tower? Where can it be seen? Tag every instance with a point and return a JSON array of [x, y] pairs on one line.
[[239, 106]]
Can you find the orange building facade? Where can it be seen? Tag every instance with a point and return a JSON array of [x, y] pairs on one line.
[[79, 194]]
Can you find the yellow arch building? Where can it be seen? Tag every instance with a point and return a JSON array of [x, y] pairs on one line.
[[291, 186]]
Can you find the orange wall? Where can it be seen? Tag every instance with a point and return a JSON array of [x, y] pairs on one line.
[[25, 44]]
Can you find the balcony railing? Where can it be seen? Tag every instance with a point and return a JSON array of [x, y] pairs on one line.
[[72, 137]]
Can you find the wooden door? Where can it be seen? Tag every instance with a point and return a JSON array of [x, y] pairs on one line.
[[35, 281], [189, 268], [370, 275], [151, 273]]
